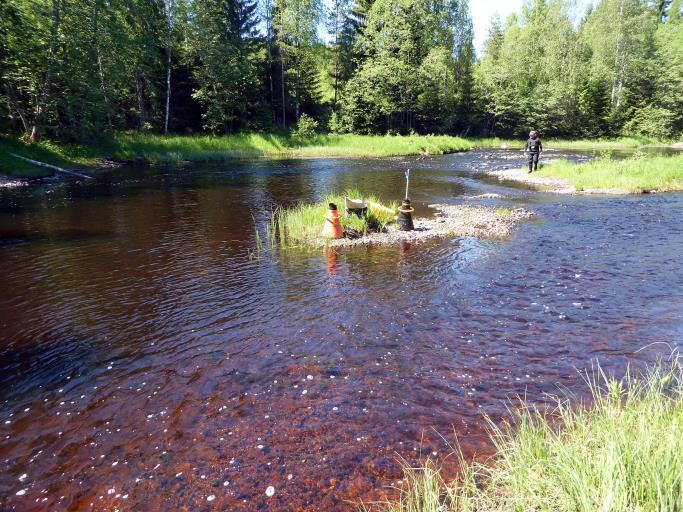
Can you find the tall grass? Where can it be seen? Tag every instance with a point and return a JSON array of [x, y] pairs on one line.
[[661, 173], [624, 452], [156, 148], [302, 224]]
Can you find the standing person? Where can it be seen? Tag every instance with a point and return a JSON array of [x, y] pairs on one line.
[[534, 148]]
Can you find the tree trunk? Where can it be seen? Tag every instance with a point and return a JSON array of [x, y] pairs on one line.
[[613, 97], [14, 105], [39, 113], [297, 90], [140, 92], [282, 83], [98, 58], [169, 12]]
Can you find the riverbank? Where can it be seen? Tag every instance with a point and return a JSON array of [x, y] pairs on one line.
[[618, 143], [146, 148], [604, 176], [68, 156], [623, 452]]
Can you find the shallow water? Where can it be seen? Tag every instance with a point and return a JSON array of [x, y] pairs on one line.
[[149, 361]]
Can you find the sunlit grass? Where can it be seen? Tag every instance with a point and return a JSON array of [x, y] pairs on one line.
[[302, 225], [623, 452], [61, 155], [206, 147], [577, 144], [660, 173]]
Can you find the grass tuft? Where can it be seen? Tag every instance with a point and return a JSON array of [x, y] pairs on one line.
[[623, 452], [302, 224]]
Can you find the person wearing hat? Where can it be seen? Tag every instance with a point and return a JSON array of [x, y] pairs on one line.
[[533, 148]]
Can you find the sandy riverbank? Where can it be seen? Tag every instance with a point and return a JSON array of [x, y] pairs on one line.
[[449, 221]]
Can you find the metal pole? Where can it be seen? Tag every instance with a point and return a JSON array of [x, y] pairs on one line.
[[407, 181]]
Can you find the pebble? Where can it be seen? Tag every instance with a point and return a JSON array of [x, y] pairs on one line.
[[270, 491], [21, 493], [210, 498]]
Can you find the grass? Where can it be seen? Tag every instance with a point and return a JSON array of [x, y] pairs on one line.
[[302, 224], [155, 148], [204, 148], [61, 155], [623, 453], [600, 144], [634, 175]]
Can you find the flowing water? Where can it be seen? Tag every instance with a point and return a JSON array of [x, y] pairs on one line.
[[150, 360]]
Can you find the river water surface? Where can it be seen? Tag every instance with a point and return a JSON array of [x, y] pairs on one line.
[[149, 361]]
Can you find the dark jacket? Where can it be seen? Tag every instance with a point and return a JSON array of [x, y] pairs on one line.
[[533, 145]]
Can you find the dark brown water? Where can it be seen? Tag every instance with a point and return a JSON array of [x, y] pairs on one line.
[[149, 363]]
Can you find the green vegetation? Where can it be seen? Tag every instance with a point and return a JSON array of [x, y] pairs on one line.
[[203, 148], [83, 70], [592, 144], [301, 225], [636, 174], [624, 452], [206, 147], [68, 156]]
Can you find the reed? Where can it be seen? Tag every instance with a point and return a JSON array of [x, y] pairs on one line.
[[623, 451]]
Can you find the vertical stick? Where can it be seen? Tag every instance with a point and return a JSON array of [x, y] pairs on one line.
[[407, 181]]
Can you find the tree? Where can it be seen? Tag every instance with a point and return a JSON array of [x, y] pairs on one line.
[[296, 23], [224, 47]]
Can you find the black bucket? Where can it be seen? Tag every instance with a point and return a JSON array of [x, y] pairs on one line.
[[405, 217]]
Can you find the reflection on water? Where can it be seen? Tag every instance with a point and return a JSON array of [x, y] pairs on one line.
[[147, 362]]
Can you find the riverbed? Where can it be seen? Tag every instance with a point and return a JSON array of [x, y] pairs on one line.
[[152, 359]]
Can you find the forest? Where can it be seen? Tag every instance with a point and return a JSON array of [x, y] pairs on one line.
[[77, 70]]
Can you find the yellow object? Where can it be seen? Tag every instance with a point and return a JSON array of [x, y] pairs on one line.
[[379, 209]]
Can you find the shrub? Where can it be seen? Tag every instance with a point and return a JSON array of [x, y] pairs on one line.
[[305, 127]]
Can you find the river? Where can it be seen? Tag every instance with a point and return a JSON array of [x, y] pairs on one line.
[[151, 360]]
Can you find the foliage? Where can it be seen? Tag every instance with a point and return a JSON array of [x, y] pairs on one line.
[[416, 69], [92, 68], [614, 73], [306, 127], [621, 452]]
